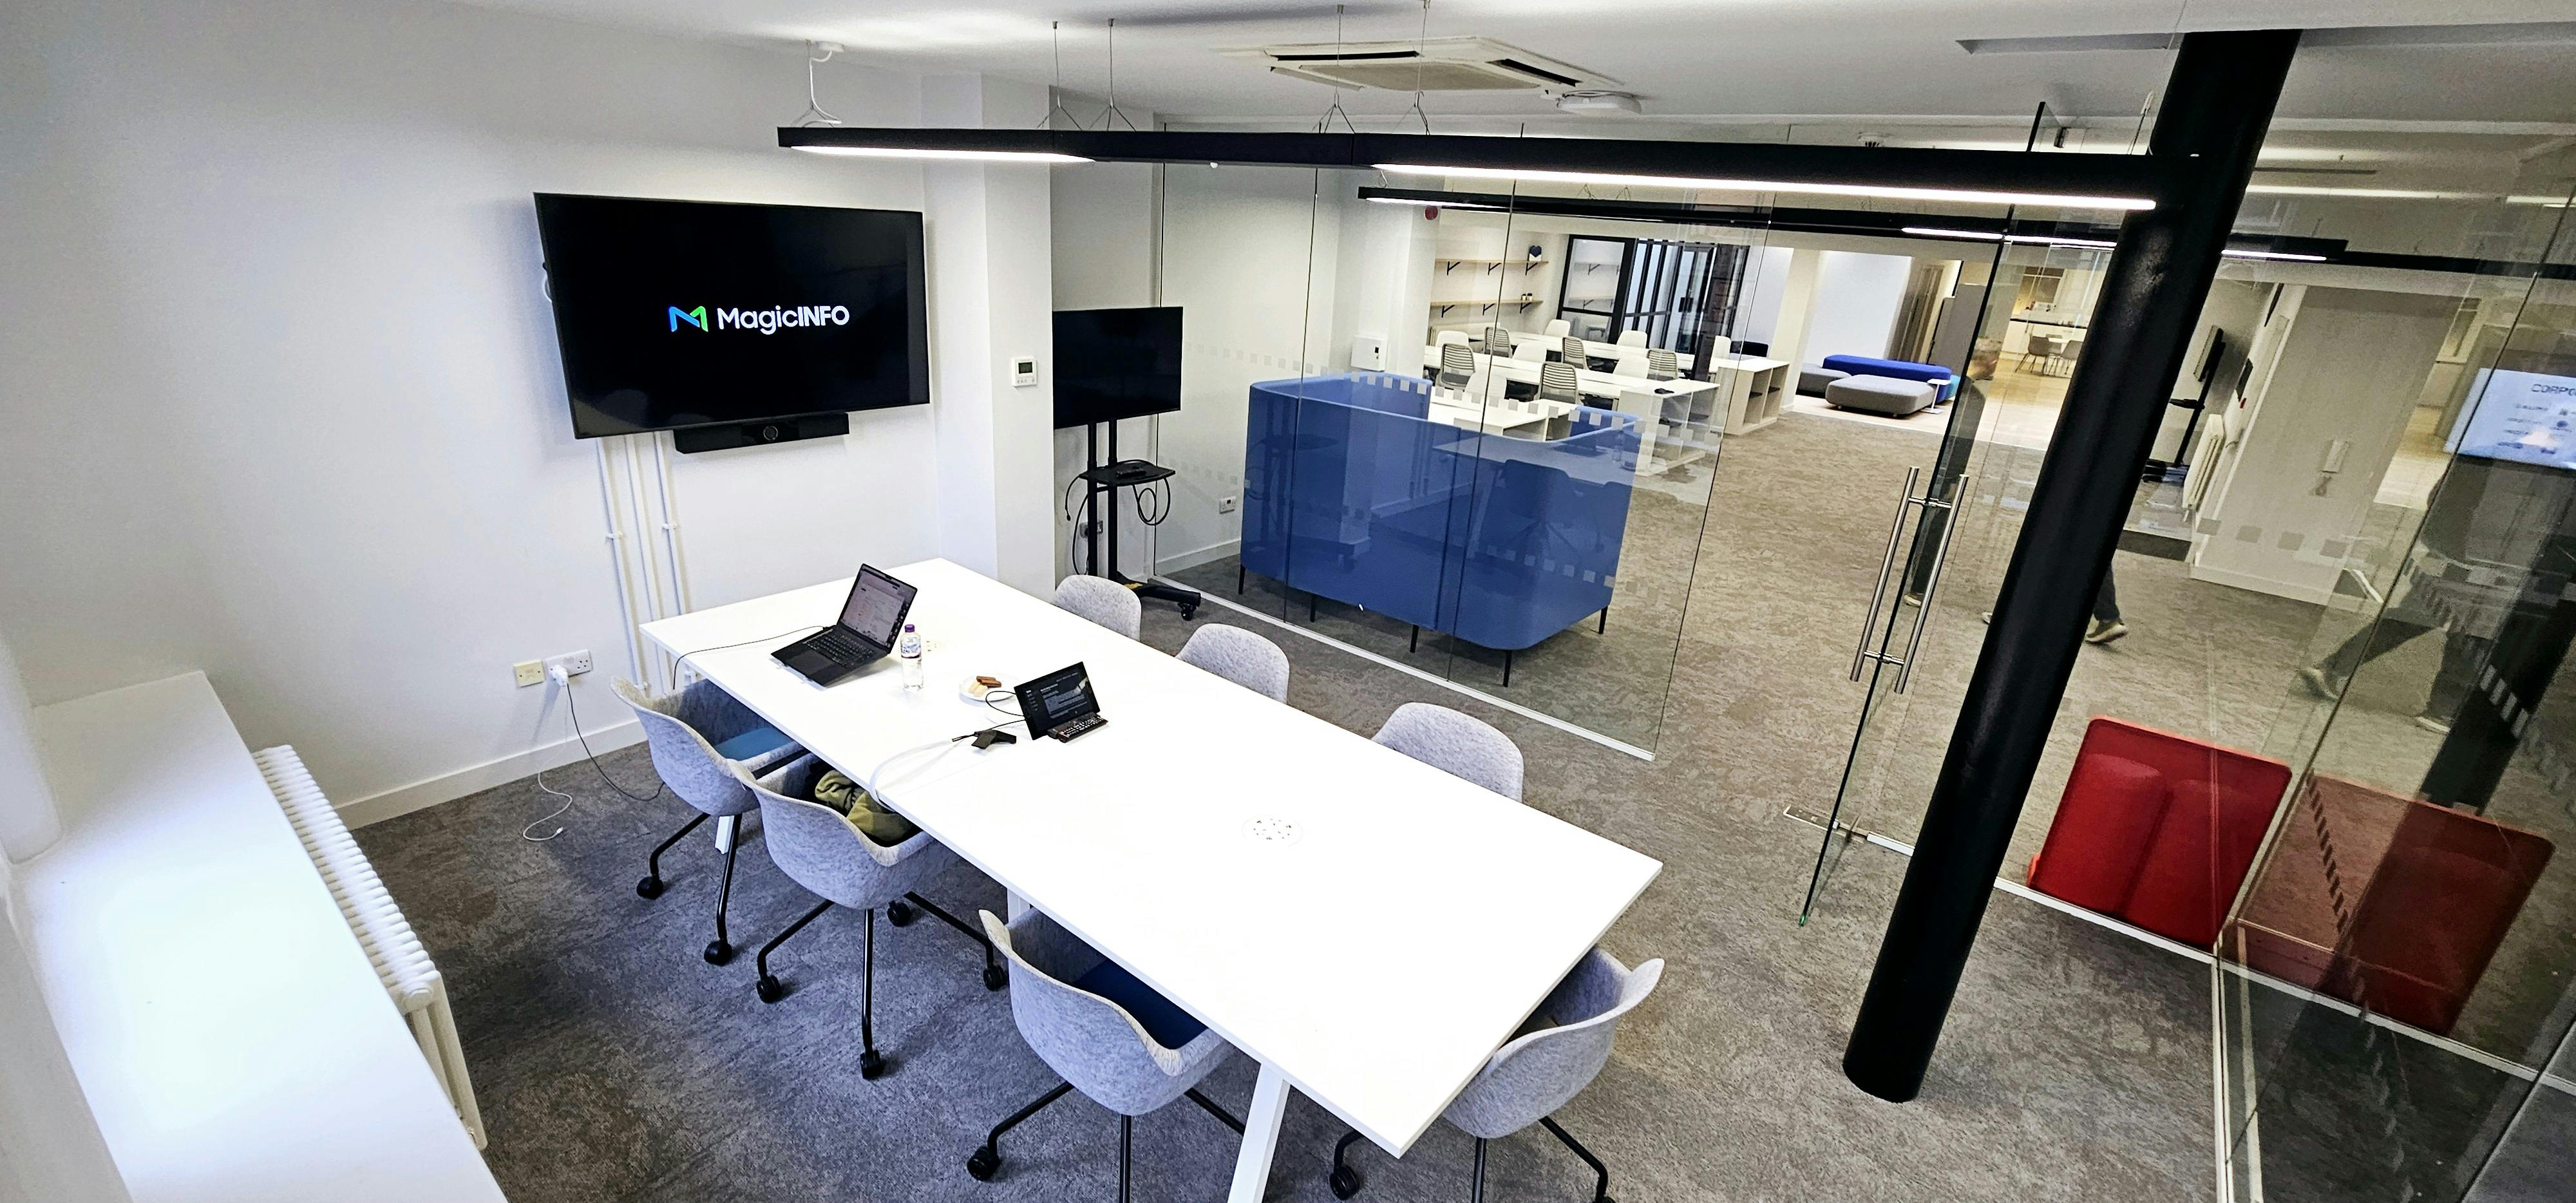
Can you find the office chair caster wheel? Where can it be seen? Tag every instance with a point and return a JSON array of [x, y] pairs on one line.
[[769, 989], [901, 914], [1345, 1182], [650, 887], [871, 1065], [718, 952], [982, 1164], [995, 977], [1189, 612]]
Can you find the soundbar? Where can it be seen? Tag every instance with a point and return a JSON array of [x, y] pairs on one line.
[[691, 439]]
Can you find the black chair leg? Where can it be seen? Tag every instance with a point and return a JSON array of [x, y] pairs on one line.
[[1476, 1189], [1345, 1181], [994, 977], [1601, 1187], [720, 950], [1219, 1112], [871, 1065], [651, 886], [1126, 1146], [1507, 670], [1310, 607], [1238, 580], [985, 1162], [768, 988], [1604, 628], [1414, 643]]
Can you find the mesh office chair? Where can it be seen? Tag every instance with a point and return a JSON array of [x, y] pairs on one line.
[[1109, 1035], [1457, 365], [819, 850], [1571, 350], [1663, 365], [1239, 656], [1460, 745], [1498, 341], [1557, 382], [1556, 1054], [1103, 601], [696, 737]]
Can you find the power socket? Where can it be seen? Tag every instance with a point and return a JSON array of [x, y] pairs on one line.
[[528, 672], [573, 664], [1225, 505]]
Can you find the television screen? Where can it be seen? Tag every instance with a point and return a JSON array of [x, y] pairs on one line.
[[1116, 363], [2522, 416], [687, 313]]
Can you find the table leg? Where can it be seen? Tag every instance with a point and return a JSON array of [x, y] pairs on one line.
[[1260, 1136]]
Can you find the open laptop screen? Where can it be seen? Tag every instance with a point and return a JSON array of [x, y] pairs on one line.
[[876, 607]]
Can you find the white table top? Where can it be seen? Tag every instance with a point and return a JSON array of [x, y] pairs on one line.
[[227, 1030], [1599, 384], [1376, 959]]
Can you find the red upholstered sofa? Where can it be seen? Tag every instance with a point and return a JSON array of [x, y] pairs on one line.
[[2158, 829], [2387, 901]]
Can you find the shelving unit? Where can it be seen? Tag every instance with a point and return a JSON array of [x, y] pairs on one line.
[[1756, 390]]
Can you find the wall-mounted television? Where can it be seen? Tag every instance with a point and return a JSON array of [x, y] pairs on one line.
[[2527, 417], [1116, 363], [676, 314]]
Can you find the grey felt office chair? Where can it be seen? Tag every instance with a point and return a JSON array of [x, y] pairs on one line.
[[696, 737], [1554, 1056], [1103, 601], [1457, 365], [1498, 341], [1239, 656], [1460, 745], [1557, 382], [1663, 365], [820, 851], [1109, 1035]]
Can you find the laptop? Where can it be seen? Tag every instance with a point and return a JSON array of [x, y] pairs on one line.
[[1060, 704], [870, 621]]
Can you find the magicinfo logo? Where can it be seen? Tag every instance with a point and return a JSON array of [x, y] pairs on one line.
[[767, 321]]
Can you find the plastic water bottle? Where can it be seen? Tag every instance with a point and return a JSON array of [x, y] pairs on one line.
[[909, 650]]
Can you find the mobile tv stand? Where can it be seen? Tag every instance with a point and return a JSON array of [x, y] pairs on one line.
[[1102, 482]]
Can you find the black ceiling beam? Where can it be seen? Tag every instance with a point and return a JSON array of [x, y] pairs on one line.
[[2074, 175]]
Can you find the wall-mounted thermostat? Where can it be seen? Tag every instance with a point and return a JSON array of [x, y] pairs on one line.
[[1024, 370]]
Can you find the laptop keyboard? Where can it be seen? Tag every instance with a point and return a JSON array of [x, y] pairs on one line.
[[840, 644]]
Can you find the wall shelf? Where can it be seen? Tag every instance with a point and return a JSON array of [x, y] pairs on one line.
[[1490, 265], [1485, 306]]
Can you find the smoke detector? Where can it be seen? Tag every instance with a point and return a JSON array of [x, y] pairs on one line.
[[1437, 65], [1596, 102]]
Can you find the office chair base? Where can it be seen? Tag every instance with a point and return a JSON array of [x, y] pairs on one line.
[[872, 1065], [651, 886], [717, 952], [900, 914], [1601, 1183], [985, 1162], [769, 989]]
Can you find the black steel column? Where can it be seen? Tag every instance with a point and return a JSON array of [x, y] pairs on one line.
[[2216, 107]]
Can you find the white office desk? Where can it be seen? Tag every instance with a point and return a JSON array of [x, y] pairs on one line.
[[1373, 960], [1677, 410]]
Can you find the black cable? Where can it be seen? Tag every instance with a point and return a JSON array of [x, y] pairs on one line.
[[595, 766], [684, 656]]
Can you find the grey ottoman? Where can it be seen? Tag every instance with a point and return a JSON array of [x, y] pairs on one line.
[[1812, 379], [1881, 395]]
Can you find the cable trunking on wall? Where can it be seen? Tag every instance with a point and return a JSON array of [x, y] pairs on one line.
[[635, 497]]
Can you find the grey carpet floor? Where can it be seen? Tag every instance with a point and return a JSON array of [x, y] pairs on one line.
[[614, 1065]]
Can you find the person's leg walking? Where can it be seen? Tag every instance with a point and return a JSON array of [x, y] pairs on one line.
[[2106, 612]]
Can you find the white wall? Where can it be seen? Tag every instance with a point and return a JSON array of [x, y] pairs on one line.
[[2348, 368], [50, 1148], [1103, 244], [1766, 284], [283, 395], [1856, 301], [29, 822]]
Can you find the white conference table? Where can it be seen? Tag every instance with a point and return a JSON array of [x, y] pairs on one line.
[[1373, 958]]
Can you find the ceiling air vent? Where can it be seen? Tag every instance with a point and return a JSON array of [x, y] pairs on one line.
[[1438, 65]]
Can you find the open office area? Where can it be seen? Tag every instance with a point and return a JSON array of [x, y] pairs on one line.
[[613, 601]]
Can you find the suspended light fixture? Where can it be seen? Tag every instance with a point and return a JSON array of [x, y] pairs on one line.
[[1543, 175]]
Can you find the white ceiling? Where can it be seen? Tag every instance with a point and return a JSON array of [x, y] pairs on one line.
[[1709, 58]]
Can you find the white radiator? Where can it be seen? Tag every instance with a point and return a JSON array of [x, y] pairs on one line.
[[417, 990]]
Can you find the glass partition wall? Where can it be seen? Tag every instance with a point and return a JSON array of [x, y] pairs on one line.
[[1398, 433]]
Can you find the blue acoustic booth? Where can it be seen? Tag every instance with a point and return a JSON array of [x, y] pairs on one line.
[[1354, 491], [1933, 374]]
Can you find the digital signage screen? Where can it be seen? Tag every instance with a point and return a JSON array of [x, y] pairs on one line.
[[2526, 417]]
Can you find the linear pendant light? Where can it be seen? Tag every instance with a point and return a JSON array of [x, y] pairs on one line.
[[2124, 183]]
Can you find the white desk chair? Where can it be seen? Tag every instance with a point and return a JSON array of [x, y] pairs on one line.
[[1557, 1053], [1103, 601], [1457, 365], [1632, 338], [1498, 341], [1109, 1035], [1631, 361], [1451, 336], [1721, 346], [1571, 349], [1530, 350], [1558, 382], [1559, 328]]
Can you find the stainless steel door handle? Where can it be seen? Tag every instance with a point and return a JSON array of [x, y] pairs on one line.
[[1931, 586], [1886, 563]]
